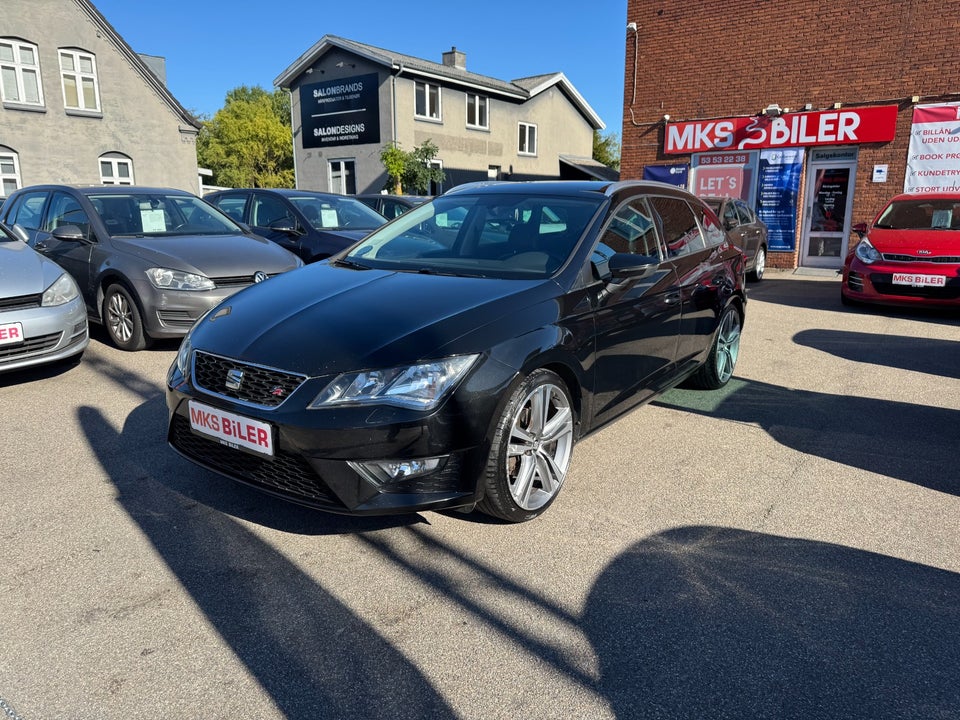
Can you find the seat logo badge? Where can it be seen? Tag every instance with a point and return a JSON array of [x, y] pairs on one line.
[[277, 391], [234, 379], [259, 276]]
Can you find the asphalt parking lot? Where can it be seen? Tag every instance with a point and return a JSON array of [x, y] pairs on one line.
[[786, 547]]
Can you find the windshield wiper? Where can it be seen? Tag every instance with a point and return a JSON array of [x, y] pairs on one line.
[[343, 262]]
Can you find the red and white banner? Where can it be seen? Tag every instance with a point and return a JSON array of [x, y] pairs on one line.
[[826, 127], [933, 161]]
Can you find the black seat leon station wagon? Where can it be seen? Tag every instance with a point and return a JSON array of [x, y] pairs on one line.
[[455, 356]]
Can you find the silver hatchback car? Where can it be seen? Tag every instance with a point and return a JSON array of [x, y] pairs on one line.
[[42, 317]]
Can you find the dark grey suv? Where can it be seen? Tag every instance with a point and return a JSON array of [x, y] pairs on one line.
[[149, 261]]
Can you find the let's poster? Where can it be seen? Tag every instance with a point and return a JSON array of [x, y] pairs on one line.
[[933, 162]]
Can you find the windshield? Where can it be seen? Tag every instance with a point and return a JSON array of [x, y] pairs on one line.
[[158, 214], [337, 213], [921, 214], [486, 235]]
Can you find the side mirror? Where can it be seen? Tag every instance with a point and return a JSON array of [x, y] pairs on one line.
[[860, 229], [69, 233], [729, 223], [284, 225], [21, 234]]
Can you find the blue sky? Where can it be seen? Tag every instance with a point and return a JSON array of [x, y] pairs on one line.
[[212, 46]]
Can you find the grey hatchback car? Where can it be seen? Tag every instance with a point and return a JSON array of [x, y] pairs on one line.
[[149, 261]]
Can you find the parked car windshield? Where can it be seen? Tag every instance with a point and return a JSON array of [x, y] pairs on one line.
[[921, 214], [503, 236], [158, 214], [337, 213]]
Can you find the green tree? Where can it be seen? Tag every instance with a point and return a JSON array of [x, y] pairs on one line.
[[248, 143], [606, 149], [411, 171]]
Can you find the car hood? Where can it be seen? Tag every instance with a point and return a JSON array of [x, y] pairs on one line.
[[210, 255], [24, 271], [933, 242], [328, 319]]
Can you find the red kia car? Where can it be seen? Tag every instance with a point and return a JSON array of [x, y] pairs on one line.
[[909, 256]]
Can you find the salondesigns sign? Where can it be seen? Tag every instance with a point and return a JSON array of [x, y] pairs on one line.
[[340, 112], [933, 161], [802, 129]]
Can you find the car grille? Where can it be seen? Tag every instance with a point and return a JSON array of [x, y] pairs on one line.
[[37, 344], [21, 302], [265, 387], [943, 259], [237, 280], [285, 473]]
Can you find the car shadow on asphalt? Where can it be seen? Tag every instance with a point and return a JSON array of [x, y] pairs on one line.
[[308, 651], [913, 443], [708, 622], [924, 355]]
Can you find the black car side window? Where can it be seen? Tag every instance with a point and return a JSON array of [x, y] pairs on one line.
[[232, 205], [712, 232], [746, 214], [27, 210], [632, 230], [730, 217], [268, 210], [681, 231]]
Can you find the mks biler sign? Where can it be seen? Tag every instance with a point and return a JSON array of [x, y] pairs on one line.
[[340, 112]]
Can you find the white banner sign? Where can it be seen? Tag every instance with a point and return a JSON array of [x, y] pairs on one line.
[[933, 163]]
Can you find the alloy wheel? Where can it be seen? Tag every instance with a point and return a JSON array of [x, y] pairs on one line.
[[120, 317], [539, 447], [728, 345]]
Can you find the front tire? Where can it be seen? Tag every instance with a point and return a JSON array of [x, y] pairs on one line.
[[722, 359], [759, 264], [121, 316], [531, 450]]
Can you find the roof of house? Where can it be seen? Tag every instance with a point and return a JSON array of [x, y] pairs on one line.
[[139, 64], [520, 90]]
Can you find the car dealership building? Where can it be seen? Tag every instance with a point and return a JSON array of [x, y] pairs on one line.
[[813, 114], [350, 100]]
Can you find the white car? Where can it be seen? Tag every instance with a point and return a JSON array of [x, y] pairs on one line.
[[42, 316]]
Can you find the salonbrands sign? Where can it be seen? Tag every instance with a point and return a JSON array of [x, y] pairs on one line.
[[340, 112], [827, 127]]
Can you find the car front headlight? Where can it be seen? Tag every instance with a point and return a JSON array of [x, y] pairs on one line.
[[420, 387], [183, 356], [867, 253], [166, 279], [63, 290]]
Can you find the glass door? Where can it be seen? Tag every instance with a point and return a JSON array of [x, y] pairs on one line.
[[829, 202]]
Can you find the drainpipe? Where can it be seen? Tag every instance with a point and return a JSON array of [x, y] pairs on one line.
[[393, 93]]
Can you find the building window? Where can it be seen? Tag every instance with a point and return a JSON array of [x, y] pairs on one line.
[[20, 73], [116, 169], [343, 177], [79, 73], [528, 139], [477, 111], [9, 173], [428, 101], [436, 188]]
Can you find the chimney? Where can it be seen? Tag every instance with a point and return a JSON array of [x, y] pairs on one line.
[[456, 59]]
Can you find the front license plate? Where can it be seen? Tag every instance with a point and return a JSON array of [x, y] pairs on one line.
[[11, 333], [230, 429], [919, 280]]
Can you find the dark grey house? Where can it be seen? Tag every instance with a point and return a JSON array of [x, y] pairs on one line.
[[349, 100]]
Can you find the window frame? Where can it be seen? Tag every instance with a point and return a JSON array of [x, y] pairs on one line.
[[523, 138], [115, 160], [342, 186], [473, 102], [5, 176], [20, 69], [427, 86], [79, 75]]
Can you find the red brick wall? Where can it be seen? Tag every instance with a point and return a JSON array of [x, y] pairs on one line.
[[729, 58]]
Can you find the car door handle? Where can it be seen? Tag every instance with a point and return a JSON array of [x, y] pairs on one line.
[[40, 245], [671, 298]]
